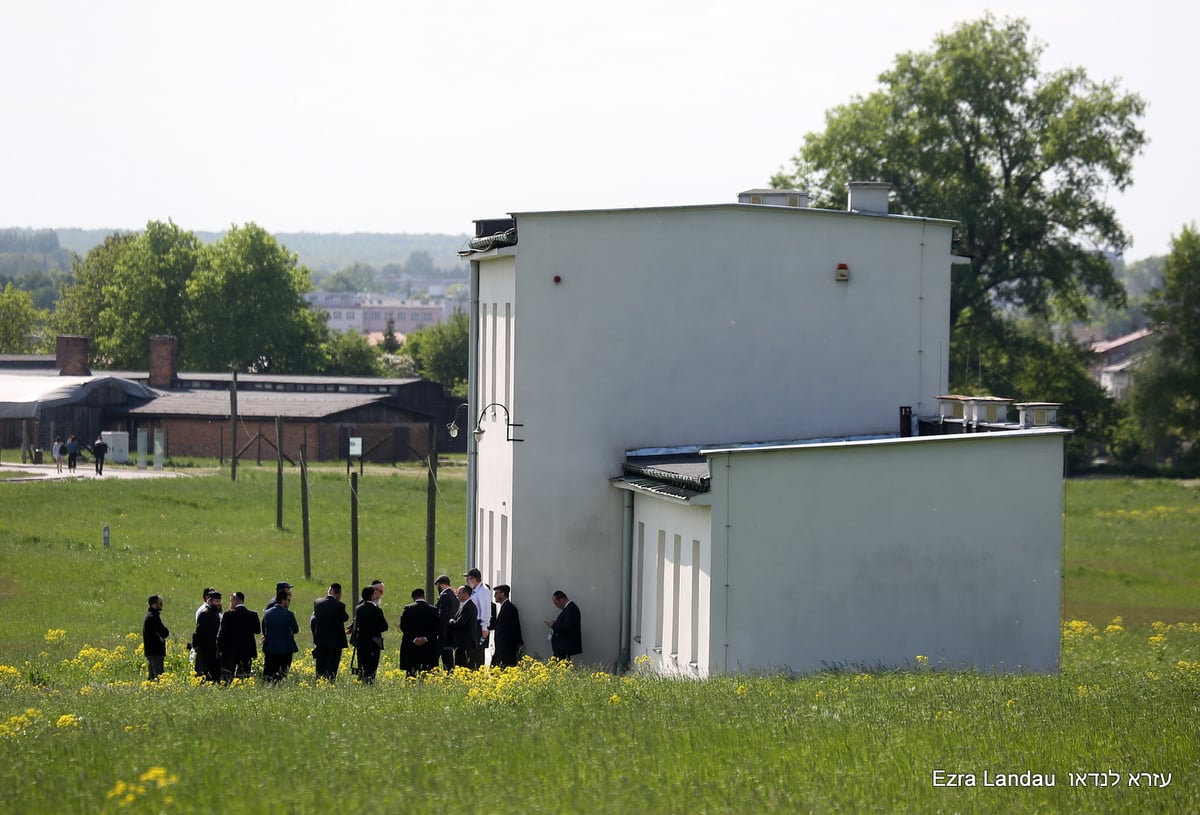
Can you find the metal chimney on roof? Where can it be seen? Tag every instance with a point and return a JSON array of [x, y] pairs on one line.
[[869, 197]]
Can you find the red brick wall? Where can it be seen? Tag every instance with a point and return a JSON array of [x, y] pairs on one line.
[[382, 443]]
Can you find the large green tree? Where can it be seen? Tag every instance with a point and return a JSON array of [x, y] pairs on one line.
[[146, 293], [82, 299], [246, 308], [20, 321], [1166, 391], [441, 352], [348, 353], [977, 131]]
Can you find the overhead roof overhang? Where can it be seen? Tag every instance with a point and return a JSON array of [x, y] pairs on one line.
[[25, 397]]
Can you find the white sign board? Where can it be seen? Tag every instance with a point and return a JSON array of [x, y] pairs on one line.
[[356, 445]]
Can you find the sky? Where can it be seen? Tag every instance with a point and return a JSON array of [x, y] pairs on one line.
[[413, 117]]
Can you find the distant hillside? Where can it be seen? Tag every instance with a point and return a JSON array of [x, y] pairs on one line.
[[322, 252]]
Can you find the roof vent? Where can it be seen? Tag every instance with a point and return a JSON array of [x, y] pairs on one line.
[[869, 197], [1038, 414], [774, 198]]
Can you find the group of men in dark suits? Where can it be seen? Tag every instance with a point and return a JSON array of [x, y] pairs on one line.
[[465, 619], [456, 631], [226, 643]]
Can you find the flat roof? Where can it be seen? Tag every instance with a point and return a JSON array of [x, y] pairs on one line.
[[735, 205]]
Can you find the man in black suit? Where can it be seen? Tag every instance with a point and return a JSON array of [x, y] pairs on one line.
[[419, 626], [329, 632], [447, 607], [566, 639], [235, 638], [465, 631], [154, 637], [507, 630], [369, 625], [204, 639]]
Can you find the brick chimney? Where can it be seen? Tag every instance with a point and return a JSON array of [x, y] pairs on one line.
[[164, 350], [71, 355]]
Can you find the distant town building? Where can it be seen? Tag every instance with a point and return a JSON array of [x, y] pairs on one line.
[[369, 313], [1117, 360]]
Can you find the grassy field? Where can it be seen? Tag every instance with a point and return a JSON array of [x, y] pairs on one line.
[[82, 733]]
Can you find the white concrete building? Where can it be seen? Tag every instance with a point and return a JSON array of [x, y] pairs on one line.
[[600, 332]]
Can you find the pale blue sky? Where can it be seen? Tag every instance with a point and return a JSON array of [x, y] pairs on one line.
[[419, 117]]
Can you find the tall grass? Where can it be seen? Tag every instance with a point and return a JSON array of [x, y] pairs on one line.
[[82, 733]]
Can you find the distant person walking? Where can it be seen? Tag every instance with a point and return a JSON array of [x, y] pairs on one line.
[[566, 630], [154, 637], [99, 451], [72, 452], [59, 451]]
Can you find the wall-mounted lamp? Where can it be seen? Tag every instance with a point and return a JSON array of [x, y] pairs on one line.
[[452, 428], [508, 423]]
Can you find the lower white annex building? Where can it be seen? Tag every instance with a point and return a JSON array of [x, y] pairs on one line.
[[723, 431]]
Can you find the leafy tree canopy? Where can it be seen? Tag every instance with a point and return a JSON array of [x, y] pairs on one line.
[[348, 353], [20, 321], [974, 130], [144, 293], [441, 352], [246, 308], [1166, 389]]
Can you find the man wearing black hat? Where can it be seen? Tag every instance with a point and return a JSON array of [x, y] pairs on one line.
[[204, 640], [281, 586], [369, 625], [235, 639], [279, 628], [154, 637], [481, 596], [447, 606], [329, 632], [507, 632]]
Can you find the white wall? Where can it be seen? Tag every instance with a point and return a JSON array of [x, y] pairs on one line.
[[669, 619], [692, 325], [948, 547], [494, 459]]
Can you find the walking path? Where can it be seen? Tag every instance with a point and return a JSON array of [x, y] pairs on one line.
[[35, 472]]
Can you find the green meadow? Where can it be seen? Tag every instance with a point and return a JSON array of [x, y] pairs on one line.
[[1113, 732]]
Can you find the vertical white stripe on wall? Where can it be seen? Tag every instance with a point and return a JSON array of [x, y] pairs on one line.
[[660, 589], [508, 357], [694, 656], [494, 363], [676, 554]]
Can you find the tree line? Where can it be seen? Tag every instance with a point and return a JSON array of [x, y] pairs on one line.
[[235, 304], [975, 130]]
